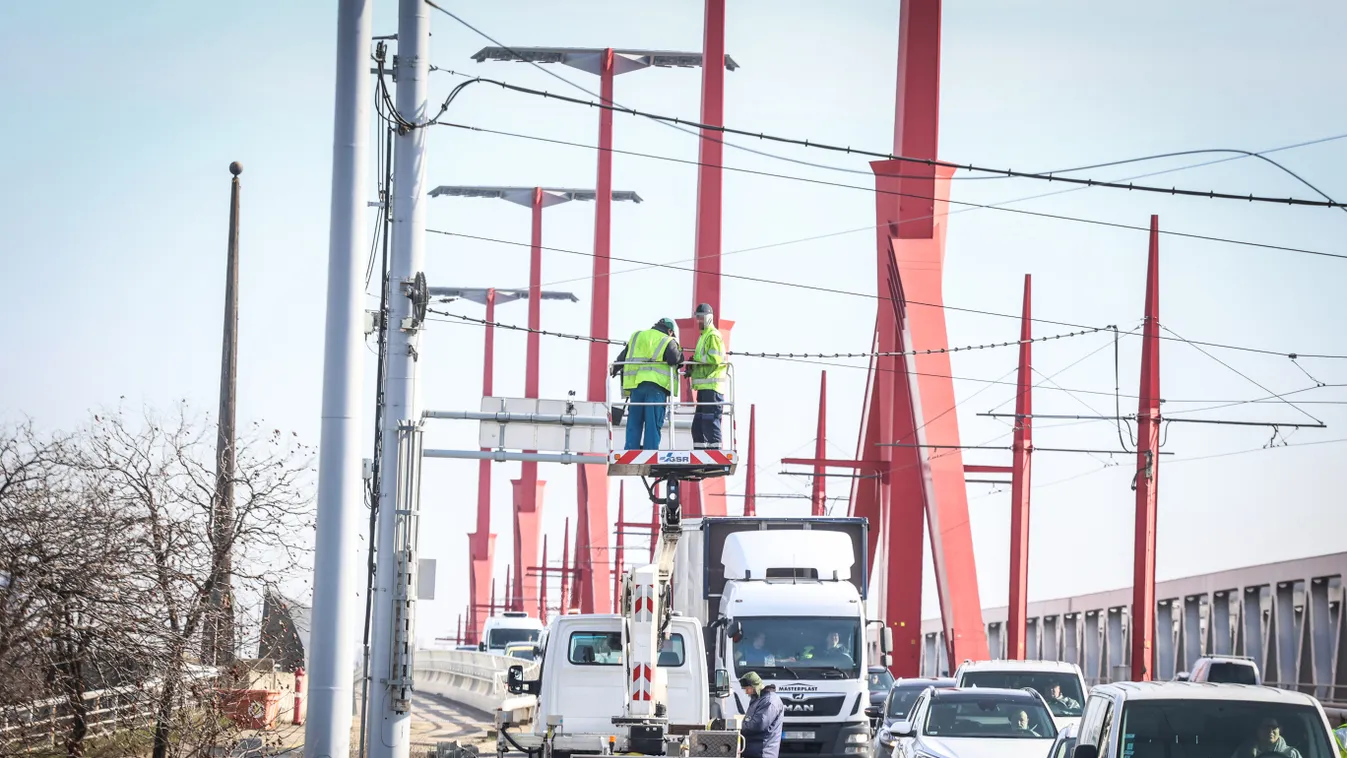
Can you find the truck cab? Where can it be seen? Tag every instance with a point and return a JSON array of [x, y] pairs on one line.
[[785, 598], [582, 681], [508, 628]]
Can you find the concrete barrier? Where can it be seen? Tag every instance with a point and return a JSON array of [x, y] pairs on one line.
[[474, 679]]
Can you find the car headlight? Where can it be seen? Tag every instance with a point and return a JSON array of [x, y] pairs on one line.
[[859, 738]]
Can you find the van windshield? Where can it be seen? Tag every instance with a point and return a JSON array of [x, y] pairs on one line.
[[1192, 728], [1060, 689], [502, 637], [778, 647]]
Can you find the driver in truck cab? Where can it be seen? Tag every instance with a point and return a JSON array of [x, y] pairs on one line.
[[763, 718]]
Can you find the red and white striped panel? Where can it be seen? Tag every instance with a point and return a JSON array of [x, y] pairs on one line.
[[670, 457], [642, 681], [645, 603]]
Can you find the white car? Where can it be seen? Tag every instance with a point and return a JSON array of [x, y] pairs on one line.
[[1198, 720], [1061, 684], [976, 723]]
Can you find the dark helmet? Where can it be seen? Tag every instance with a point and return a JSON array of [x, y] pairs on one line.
[[703, 309], [665, 325]]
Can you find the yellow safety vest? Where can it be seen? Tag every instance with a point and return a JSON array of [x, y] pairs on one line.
[[645, 362], [711, 351]]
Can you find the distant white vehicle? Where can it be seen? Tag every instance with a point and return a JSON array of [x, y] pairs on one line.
[[1230, 669], [510, 626], [1061, 684]]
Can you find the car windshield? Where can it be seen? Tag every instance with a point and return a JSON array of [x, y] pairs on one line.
[[1233, 673], [901, 700], [524, 653], [1193, 728], [1060, 689], [798, 648], [991, 716], [502, 637], [880, 680]]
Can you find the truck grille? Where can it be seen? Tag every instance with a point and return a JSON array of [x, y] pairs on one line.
[[811, 706]]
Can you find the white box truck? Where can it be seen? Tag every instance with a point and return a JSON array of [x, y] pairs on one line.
[[785, 597]]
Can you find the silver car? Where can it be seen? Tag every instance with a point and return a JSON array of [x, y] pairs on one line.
[[976, 723]]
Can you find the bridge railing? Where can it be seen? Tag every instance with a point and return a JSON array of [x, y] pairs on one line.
[[107, 711], [474, 679]]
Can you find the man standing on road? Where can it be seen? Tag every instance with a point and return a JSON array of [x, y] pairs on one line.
[[763, 720], [647, 381], [707, 376]]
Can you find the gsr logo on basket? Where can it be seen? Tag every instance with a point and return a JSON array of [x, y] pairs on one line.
[[673, 457]]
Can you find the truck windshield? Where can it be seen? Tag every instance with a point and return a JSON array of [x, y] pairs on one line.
[[1192, 727], [1060, 690], [779, 647], [499, 638]]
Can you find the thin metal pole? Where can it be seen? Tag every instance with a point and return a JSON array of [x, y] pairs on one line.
[[751, 477], [389, 730], [336, 590], [819, 492], [218, 633], [1021, 451], [1147, 475], [620, 557], [565, 565]]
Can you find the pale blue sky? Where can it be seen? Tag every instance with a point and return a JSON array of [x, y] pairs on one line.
[[123, 119]]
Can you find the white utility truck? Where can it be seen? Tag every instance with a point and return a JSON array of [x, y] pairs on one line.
[[507, 628], [633, 682], [785, 597]]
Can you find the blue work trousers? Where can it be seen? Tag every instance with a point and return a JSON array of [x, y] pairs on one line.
[[706, 419], [645, 419]]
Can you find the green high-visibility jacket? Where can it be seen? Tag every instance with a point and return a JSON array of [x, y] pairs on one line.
[[710, 362], [644, 362]]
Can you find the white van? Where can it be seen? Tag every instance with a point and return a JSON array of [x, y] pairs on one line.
[[582, 682], [1198, 720], [510, 626], [1061, 684]]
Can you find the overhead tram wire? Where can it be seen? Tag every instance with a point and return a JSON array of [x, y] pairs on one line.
[[676, 124], [968, 205], [947, 213], [928, 162], [1232, 154], [744, 354], [876, 297], [461, 320]]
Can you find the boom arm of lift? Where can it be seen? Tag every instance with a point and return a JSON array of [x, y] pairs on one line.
[[646, 611]]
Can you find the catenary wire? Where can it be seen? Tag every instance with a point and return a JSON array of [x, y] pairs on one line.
[[703, 128], [928, 162], [744, 354], [945, 213], [968, 205], [1232, 154], [870, 296]]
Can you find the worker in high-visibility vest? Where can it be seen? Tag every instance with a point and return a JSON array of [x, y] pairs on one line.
[[708, 376], [649, 368]]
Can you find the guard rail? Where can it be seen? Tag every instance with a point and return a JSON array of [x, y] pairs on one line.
[[475, 679]]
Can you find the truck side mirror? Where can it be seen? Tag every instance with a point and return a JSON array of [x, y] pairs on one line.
[[886, 660], [873, 713], [735, 630], [481, 646], [514, 680], [720, 688], [886, 641], [1085, 751]]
